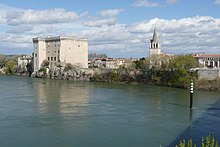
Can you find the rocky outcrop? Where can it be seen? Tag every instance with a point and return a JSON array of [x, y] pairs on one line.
[[2, 72], [75, 74]]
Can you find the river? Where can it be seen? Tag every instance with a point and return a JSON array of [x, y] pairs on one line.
[[55, 113]]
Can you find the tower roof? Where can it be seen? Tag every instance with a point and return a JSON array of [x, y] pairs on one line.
[[155, 38]]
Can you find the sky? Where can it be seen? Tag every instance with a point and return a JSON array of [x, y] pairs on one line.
[[118, 28]]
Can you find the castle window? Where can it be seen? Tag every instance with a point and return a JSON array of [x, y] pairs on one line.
[[48, 58], [51, 58], [78, 45], [36, 55], [54, 58]]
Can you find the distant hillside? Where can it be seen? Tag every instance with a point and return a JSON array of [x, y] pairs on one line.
[[6, 58]]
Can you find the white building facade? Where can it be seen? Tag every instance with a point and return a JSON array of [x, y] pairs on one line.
[[24, 60], [60, 50], [208, 60]]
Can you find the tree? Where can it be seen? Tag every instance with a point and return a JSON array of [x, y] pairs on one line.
[[45, 64], [9, 66], [68, 66]]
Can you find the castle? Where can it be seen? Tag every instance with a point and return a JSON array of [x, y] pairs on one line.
[[60, 50]]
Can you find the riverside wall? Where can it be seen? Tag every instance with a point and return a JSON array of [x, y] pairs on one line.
[[209, 74]]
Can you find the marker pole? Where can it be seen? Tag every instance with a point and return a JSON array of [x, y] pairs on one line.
[[191, 94]]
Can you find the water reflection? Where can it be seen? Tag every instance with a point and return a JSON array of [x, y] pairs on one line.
[[61, 97]]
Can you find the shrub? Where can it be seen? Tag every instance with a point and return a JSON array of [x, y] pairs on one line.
[[45, 63], [68, 66], [208, 141]]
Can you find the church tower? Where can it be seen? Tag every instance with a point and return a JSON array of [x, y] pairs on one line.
[[154, 48]]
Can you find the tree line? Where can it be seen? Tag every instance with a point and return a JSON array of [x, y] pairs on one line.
[[158, 70]]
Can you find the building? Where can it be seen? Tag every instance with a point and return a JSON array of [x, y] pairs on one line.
[[155, 47], [24, 60], [208, 60], [60, 50], [108, 63], [111, 63]]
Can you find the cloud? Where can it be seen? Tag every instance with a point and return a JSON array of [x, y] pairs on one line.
[[14, 16], [145, 3], [177, 36], [171, 1], [105, 35], [110, 12], [107, 17], [99, 22], [20, 29], [217, 2], [41, 17], [2, 20]]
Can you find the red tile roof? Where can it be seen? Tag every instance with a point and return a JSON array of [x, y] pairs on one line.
[[207, 56]]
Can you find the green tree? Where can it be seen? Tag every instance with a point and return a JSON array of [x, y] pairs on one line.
[[9, 66]]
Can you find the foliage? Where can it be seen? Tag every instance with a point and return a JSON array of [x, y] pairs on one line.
[[96, 76], [139, 64], [45, 63], [208, 141], [43, 69], [156, 70], [30, 68], [9, 66], [68, 66]]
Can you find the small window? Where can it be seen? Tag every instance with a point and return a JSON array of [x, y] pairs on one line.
[[51, 58], [54, 58], [78, 45], [48, 58], [36, 55]]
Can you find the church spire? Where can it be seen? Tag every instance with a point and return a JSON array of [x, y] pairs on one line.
[[154, 48], [155, 39]]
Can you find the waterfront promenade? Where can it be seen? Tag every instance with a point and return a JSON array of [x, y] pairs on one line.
[[208, 122]]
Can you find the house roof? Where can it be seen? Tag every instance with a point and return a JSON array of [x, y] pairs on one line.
[[207, 55]]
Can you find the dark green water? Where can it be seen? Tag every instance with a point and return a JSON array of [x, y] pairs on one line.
[[52, 113]]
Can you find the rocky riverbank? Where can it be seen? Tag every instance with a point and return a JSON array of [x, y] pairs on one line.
[[1, 72], [104, 75], [75, 74]]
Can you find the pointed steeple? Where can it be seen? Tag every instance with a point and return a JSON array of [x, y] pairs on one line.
[[155, 39], [154, 48]]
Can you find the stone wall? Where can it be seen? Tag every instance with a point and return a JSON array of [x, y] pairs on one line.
[[208, 74]]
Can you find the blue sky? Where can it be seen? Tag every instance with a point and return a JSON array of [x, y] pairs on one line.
[[119, 28]]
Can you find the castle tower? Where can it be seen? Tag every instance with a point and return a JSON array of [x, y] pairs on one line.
[[154, 48]]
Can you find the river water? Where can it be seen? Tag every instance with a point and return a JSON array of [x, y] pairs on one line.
[[54, 113]]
